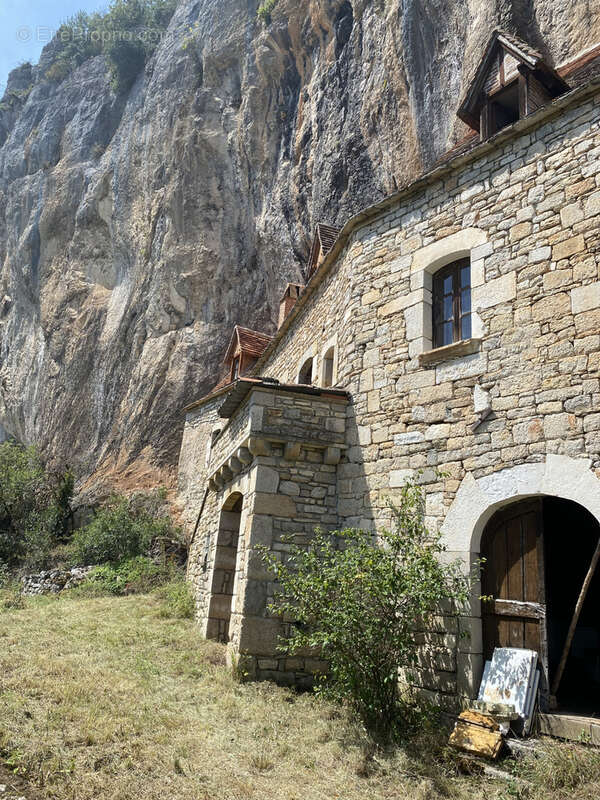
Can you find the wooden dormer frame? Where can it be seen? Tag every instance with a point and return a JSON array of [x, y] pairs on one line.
[[245, 347], [537, 83]]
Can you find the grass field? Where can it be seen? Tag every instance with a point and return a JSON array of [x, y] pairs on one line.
[[104, 698]]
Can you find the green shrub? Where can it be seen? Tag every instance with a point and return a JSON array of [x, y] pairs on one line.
[[127, 34], [132, 576], [178, 600], [122, 529], [126, 61], [358, 604], [265, 10], [35, 509]]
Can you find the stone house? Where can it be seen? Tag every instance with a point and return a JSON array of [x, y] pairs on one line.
[[453, 327]]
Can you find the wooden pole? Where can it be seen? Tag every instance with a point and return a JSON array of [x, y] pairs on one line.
[[575, 620]]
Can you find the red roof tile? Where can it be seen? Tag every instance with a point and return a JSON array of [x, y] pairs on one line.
[[253, 343]]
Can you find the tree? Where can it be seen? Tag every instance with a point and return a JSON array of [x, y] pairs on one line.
[[123, 528], [34, 505], [359, 603]]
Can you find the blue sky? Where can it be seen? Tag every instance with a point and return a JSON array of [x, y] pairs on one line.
[[25, 27]]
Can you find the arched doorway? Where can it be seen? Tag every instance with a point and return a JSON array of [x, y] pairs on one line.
[[538, 552], [223, 580]]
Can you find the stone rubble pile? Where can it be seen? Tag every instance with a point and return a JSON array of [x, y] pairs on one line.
[[53, 581]]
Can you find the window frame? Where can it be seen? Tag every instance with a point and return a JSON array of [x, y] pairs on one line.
[[454, 269]]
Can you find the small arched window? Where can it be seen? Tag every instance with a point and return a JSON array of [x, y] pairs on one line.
[[306, 371], [452, 303], [327, 379]]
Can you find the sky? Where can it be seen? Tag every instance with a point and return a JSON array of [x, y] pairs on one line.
[[27, 25]]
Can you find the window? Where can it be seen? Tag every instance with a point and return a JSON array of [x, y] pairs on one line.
[[503, 108], [328, 367], [235, 368], [305, 374], [452, 303]]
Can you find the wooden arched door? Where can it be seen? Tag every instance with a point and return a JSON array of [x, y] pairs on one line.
[[513, 575]]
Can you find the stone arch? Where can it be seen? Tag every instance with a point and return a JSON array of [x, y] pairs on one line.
[[305, 373], [477, 499], [457, 245], [225, 565]]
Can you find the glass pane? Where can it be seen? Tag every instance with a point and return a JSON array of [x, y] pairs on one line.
[[465, 301], [465, 276], [448, 333], [465, 325], [448, 284], [448, 307]]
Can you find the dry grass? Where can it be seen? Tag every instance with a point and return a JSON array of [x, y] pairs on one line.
[[104, 698]]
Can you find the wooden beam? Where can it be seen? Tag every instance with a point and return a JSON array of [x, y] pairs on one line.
[[575, 620], [518, 608]]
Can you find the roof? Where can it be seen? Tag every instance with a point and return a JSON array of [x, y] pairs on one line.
[[323, 241], [581, 69], [521, 51], [253, 343], [243, 386]]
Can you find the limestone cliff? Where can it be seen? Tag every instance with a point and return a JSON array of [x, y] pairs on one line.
[[136, 230]]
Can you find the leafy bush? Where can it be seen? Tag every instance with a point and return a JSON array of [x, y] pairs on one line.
[[358, 604], [178, 600], [127, 34], [265, 10], [122, 529], [35, 510], [133, 576]]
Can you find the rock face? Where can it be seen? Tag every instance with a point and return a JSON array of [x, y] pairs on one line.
[[136, 230]]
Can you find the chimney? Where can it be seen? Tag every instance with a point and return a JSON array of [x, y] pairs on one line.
[[288, 301]]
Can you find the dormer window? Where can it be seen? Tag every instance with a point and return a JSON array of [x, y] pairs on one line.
[[502, 108], [245, 348], [512, 81], [323, 241]]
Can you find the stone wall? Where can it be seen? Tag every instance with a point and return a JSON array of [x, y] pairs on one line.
[[53, 581], [526, 385], [200, 422], [522, 391], [277, 457]]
